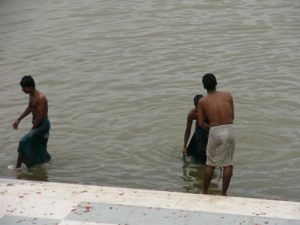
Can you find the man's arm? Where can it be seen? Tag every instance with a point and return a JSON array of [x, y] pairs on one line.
[[187, 133], [24, 114], [201, 116], [232, 106]]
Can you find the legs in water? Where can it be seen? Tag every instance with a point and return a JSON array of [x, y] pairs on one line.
[[208, 175], [19, 161], [227, 174]]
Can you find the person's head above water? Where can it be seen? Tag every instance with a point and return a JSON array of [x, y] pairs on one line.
[[196, 99], [209, 82], [27, 82]]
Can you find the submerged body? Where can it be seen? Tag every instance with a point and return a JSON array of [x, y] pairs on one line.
[[33, 146], [197, 145]]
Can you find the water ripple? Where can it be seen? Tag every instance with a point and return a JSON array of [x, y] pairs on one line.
[[120, 77]]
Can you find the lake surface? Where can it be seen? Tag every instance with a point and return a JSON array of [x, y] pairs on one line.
[[120, 77]]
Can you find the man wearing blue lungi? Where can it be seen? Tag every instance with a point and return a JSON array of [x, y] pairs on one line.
[[33, 146]]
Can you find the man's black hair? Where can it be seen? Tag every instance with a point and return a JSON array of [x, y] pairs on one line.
[[209, 81], [27, 81], [196, 99]]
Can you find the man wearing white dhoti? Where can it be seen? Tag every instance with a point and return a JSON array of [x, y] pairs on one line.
[[218, 107]]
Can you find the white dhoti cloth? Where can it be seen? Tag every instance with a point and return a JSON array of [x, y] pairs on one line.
[[220, 146]]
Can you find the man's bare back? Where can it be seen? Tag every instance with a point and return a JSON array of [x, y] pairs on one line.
[[38, 104], [218, 107]]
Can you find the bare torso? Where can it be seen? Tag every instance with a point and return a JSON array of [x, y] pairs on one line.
[[218, 107], [38, 105]]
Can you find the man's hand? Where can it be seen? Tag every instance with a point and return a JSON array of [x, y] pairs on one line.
[[16, 124], [184, 151]]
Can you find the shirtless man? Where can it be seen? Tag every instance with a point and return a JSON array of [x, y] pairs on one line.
[[33, 146], [218, 107]]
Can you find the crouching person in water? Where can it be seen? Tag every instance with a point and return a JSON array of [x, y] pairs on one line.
[[33, 146], [197, 146]]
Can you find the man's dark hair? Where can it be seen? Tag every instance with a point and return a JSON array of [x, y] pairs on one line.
[[209, 81], [27, 81], [196, 99]]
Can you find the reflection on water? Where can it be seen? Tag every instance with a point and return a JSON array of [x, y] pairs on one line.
[[193, 174], [36, 173]]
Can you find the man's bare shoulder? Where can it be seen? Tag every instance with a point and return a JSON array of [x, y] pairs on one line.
[[227, 94], [221, 95], [40, 99], [42, 96], [204, 99]]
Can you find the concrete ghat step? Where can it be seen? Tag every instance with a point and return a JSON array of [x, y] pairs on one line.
[[29, 202]]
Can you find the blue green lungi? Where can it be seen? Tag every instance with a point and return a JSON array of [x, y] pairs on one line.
[[33, 146]]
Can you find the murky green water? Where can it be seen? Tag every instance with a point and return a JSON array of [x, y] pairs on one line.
[[120, 77]]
